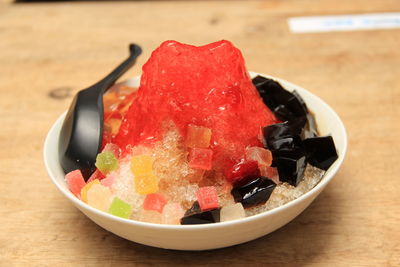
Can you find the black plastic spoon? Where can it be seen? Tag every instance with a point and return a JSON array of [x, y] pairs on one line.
[[82, 131]]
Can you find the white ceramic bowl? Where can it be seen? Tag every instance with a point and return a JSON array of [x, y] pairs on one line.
[[206, 236]]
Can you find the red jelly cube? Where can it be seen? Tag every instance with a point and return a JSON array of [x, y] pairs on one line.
[[154, 202], [243, 169], [200, 158], [207, 198], [75, 181]]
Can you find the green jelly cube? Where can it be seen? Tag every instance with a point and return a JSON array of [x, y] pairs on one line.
[[120, 208], [106, 162]]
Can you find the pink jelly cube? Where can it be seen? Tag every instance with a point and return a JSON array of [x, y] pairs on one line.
[[200, 158], [108, 181], [75, 181], [207, 197], [96, 175], [154, 202]]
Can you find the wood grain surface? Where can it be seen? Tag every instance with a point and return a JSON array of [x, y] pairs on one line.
[[48, 51]]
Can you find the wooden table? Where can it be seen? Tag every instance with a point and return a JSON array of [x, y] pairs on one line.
[[48, 51]]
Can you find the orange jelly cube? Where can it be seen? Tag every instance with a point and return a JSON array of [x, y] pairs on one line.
[[146, 183], [99, 197], [198, 136]]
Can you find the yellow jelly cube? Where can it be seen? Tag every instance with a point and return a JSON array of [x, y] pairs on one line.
[[142, 165], [99, 197], [146, 184], [85, 189], [198, 136]]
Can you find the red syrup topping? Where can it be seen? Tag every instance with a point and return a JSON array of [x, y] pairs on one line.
[[206, 86]]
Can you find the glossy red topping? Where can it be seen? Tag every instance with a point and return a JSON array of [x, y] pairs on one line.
[[206, 86]]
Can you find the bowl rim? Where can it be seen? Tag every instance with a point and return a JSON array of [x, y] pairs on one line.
[[327, 177]]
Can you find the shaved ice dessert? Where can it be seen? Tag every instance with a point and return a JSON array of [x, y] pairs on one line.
[[201, 142]]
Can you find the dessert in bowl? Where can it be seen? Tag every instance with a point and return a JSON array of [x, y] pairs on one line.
[[237, 217]]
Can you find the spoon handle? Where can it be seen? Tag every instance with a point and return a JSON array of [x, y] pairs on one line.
[[111, 78]]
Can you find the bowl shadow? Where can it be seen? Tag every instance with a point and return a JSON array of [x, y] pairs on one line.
[[298, 243]]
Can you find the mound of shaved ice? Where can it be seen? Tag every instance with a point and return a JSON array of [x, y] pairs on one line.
[[206, 86]]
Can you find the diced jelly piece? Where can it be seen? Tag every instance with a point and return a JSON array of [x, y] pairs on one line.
[[271, 91], [207, 197], [142, 165], [96, 175], [120, 208], [85, 189], [106, 162], [232, 212], [321, 151], [281, 136], [254, 193], [172, 213], [261, 155], [198, 136], [75, 182], [210, 216], [285, 105], [241, 170], [289, 154], [200, 158], [109, 180], [146, 184], [291, 165], [113, 148], [99, 197], [150, 216], [155, 202]]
